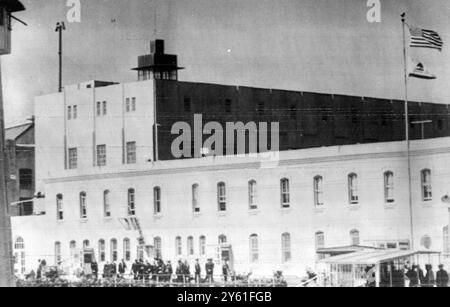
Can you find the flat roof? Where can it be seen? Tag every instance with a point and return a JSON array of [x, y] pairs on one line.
[[368, 257]]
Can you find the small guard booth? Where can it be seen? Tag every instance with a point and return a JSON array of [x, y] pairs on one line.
[[372, 268]]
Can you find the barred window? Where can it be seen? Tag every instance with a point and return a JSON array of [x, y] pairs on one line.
[[114, 255], [25, 179]]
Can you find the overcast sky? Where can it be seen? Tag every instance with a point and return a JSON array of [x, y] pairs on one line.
[[306, 45]]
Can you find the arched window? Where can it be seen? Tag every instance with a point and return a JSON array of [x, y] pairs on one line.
[[106, 203], [252, 195], [254, 248], [426, 242], [222, 239], [157, 200], [389, 187], [190, 246], [59, 207], [286, 247], [74, 256], [157, 243], [131, 202], [101, 250], [355, 237], [202, 245], [318, 191], [126, 249], [114, 255], [178, 246], [58, 256], [86, 244], [222, 196], [195, 199], [446, 239], [427, 188], [353, 189], [83, 205], [320, 240], [285, 193]]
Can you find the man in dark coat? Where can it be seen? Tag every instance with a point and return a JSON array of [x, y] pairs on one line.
[[413, 277], [122, 268], [442, 277], [198, 272], [135, 270], [209, 268], [225, 271]]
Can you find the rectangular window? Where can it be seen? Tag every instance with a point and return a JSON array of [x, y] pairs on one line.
[[254, 249], [353, 189], [252, 195], [222, 197], [127, 105], [157, 200], [106, 204], [75, 112], [389, 187], [99, 108], [73, 158], [105, 108], [59, 208], [187, 105], [195, 198], [101, 155], [228, 106], [131, 152], [58, 256], [133, 104], [69, 113], [83, 206], [427, 188], [25, 179], [285, 194], [318, 191], [131, 202]]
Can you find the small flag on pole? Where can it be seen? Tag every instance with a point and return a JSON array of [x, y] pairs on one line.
[[421, 38], [419, 70]]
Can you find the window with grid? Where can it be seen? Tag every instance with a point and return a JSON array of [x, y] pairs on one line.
[[102, 250], [222, 197], [157, 200], [127, 249], [320, 240], [83, 205], [353, 189], [195, 199], [318, 191], [106, 203], [285, 194], [157, 243], [25, 179], [59, 207], [131, 202], [131, 152], [178, 246], [101, 155], [114, 255], [73, 158], [190, 246], [355, 237], [252, 195], [286, 247], [427, 188], [254, 248], [389, 187]]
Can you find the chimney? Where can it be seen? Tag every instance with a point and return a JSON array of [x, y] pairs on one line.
[[157, 46]]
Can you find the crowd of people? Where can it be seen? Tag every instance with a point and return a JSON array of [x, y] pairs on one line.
[[413, 275]]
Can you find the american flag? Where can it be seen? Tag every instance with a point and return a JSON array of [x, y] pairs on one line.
[[421, 38]]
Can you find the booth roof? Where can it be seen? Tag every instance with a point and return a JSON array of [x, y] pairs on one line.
[[371, 257]]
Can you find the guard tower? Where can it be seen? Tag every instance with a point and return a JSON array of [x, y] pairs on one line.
[[7, 7], [157, 65]]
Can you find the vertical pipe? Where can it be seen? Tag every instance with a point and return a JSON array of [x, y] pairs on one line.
[[408, 142], [60, 59]]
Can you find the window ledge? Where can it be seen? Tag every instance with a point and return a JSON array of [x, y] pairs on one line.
[[320, 209], [390, 206], [427, 204], [254, 211], [286, 210], [197, 214], [158, 216], [222, 214], [355, 207]]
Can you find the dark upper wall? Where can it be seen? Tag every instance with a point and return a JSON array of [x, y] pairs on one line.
[[306, 119]]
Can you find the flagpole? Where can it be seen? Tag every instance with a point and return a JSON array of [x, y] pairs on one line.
[[408, 142]]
